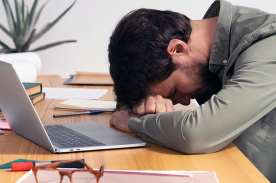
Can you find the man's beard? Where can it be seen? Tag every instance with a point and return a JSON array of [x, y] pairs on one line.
[[209, 79]]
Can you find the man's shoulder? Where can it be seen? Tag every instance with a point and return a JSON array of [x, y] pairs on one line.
[[261, 50]]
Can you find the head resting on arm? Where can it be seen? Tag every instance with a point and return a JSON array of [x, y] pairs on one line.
[[137, 51]]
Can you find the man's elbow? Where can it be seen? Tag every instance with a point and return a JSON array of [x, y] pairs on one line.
[[193, 150], [196, 148]]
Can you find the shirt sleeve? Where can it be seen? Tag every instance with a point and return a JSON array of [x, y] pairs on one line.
[[248, 95]]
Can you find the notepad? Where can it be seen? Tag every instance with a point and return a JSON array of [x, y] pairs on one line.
[[86, 105], [92, 78], [4, 126]]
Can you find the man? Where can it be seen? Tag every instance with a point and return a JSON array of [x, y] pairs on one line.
[[227, 61]]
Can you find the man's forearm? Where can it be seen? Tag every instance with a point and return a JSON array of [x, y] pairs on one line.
[[173, 131]]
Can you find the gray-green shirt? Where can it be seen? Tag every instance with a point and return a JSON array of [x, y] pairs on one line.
[[244, 57]]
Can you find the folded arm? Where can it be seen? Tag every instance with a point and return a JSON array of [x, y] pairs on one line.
[[248, 95]]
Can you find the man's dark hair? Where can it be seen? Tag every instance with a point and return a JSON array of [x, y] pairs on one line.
[[137, 51]]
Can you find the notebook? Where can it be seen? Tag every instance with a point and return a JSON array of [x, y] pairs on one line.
[[86, 105], [90, 78], [23, 120]]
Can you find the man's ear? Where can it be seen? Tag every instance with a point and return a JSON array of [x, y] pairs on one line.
[[176, 46]]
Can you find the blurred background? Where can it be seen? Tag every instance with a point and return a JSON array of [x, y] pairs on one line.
[[91, 23]]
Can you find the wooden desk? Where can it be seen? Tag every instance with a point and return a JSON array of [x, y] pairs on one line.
[[230, 165]]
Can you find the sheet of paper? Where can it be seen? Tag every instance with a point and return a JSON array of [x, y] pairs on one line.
[[82, 104], [70, 93], [121, 176]]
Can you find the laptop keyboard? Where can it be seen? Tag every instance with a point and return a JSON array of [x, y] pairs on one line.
[[64, 137]]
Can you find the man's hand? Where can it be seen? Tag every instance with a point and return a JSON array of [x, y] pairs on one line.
[[154, 105], [150, 105], [119, 119]]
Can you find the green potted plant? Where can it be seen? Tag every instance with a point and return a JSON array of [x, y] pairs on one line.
[[22, 28]]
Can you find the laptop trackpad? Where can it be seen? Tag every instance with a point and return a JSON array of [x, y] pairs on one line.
[[102, 133]]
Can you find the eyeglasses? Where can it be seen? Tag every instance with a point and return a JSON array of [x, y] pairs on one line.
[[50, 174]]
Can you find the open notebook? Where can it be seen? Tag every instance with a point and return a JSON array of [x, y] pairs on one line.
[[104, 105], [86, 105]]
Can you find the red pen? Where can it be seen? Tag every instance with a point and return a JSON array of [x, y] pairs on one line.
[[26, 166]]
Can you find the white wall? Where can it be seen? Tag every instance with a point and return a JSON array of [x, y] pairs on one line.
[[91, 23]]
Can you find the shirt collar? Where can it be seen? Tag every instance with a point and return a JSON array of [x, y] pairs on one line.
[[219, 53]]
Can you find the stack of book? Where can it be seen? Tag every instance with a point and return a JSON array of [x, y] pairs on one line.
[[34, 91]]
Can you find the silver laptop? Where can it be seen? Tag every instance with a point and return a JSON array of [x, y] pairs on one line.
[[23, 120]]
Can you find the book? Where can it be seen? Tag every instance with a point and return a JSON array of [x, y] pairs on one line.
[[1, 114], [32, 88], [125, 176], [86, 105], [37, 97], [2, 117], [90, 78]]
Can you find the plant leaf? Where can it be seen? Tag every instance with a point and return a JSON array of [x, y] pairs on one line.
[[18, 17], [53, 23], [7, 50], [44, 27], [10, 16], [23, 9], [7, 32], [39, 12], [22, 38], [4, 45], [53, 44], [27, 45], [20, 12], [32, 16]]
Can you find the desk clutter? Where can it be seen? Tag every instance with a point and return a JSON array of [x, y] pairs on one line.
[[152, 157], [34, 90], [3, 124], [2, 117]]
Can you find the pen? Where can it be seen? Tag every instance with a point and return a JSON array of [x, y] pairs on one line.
[[79, 113], [26, 166]]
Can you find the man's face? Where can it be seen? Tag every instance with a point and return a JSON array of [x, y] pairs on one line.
[[187, 82]]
